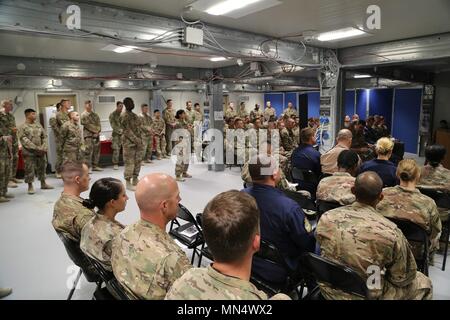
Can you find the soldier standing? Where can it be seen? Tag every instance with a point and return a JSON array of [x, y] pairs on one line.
[[242, 113], [181, 148], [62, 116], [34, 149], [169, 118], [290, 111], [116, 138], [147, 134], [269, 111], [190, 118], [230, 112], [11, 123], [132, 144], [71, 138], [255, 113], [5, 155], [91, 134], [159, 128]]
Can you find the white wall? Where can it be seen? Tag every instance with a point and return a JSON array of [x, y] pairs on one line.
[[250, 104], [442, 98]]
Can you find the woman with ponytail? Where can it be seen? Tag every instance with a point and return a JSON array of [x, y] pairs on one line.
[[433, 174], [405, 202], [109, 197]]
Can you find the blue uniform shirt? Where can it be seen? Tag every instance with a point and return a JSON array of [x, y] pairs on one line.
[[305, 157], [282, 223], [385, 169]]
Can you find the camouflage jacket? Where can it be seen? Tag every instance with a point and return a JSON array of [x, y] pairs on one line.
[[114, 120], [242, 113], [146, 124], [436, 178], [269, 112], [198, 116], [290, 112], [357, 236], [33, 139], [5, 146], [404, 204], [71, 136], [70, 216], [97, 236], [169, 117], [287, 140], [190, 116], [146, 261], [230, 113], [11, 123], [159, 126], [61, 118], [337, 188], [91, 124], [131, 129], [54, 125], [210, 284], [255, 114]]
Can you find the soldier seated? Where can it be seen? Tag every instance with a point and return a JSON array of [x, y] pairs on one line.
[[145, 259], [360, 237], [231, 228], [110, 198]]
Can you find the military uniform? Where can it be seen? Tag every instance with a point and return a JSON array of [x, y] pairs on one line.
[[404, 204], [147, 136], [290, 112], [97, 236], [61, 118], [131, 143], [337, 188], [91, 130], [116, 138], [255, 114], [159, 128], [296, 135], [269, 112], [169, 119], [190, 118], [230, 113], [70, 216], [242, 113], [147, 261], [439, 179], [5, 154], [180, 148], [287, 140], [34, 150], [198, 116], [72, 143], [11, 123], [210, 284], [358, 236]]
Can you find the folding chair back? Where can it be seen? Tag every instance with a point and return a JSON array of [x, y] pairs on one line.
[[303, 201], [304, 175], [324, 206]]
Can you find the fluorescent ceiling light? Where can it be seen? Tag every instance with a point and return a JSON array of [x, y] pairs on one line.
[[215, 59], [58, 90], [124, 49], [227, 6], [362, 76], [340, 34]]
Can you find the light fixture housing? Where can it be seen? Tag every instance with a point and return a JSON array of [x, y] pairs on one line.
[[58, 90], [217, 59], [340, 34], [362, 76]]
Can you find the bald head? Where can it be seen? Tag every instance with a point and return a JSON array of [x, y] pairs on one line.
[[153, 190], [344, 135], [368, 188]]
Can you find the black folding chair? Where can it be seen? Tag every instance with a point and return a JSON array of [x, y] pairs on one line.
[[81, 260], [324, 206], [269, 253], [189, 234], [442, 200], [307, 204], [337, 276], [415, 234], [204, 250], [304, 175]]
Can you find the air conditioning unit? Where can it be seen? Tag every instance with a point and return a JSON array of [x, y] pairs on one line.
[[106, 99]]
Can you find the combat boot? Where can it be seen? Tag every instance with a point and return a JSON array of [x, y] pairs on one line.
[[5, 292], [129, 185], [16, 180], [187, 175], [3, 199], [12, 184], [116, 167], [97, 168], [45, 186], [58, 175], [30, 188], [9, 196], [135, 181], [180, 178]]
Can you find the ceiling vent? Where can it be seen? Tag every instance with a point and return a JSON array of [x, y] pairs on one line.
[[106, 99]]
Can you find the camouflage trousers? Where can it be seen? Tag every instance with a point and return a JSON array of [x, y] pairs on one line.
[[182, 164], [116, 145], [59, 156], [160, 145], [14, 162], [169, 144], [92, 151], [148, 148], [34, 165], [420, 288], [132, 156], [72, 155], [5, 169]]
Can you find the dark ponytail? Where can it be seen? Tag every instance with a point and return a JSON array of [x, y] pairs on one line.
[[435, 154], [103, 191]]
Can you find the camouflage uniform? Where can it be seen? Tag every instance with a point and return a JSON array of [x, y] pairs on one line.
[[61, 118], [147, 137], [287, 140], [269, 112], [11, 123], [403, 204], [337, 188], [70, 216], [116, 137], [146, 261], [5, 154], [159, 127], [296, 136], [357, 236], [97, 236], [34, 150], [282, 184], [439, 179], [72, 142], [209, 284], [169, 119], [230, 113], [290, 112], [190, 117], [255, 114], [242, 113], [131, 143], [91, 130], [198, 116], [182, 164]]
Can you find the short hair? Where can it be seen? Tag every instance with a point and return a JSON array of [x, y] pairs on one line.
[[29, 110], [128, 103], [87, 102], [306, 134], [187, 102], [368, 187], [384, 146], [71, 113], [63, 100], [408, 170], [103, 191], [118, 102], [196, 104], [344, 134], [144, 105], [157, 110], [168, 100], [434, 154], [70, 169], [179, 113], [230, 222], [347, 159], [261, 167]]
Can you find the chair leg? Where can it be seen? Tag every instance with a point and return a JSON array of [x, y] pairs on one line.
[[75, 283], [446, 250], [193, 256]]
